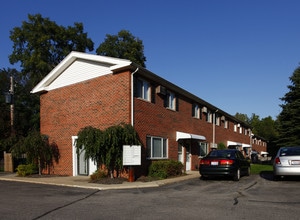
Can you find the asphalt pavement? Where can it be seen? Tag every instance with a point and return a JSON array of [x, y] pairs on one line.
[[84, 181]]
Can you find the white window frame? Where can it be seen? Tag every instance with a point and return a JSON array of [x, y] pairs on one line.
[[204, 147], [171, 101], [196, 111], [226, 124], [162, 148], [143, 89], [209, 117], [217, 118]]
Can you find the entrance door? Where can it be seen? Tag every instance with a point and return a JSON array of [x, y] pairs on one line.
[[82, 163], [188, 157]]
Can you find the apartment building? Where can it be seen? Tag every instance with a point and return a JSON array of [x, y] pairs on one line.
[[91, 90]]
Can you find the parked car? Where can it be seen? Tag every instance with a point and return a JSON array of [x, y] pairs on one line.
[[228, 162], [287, 162]]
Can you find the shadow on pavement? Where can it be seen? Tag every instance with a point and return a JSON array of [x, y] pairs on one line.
[[268, 175]]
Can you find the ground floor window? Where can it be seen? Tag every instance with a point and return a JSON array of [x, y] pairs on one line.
[[203, 149], [156, 147]]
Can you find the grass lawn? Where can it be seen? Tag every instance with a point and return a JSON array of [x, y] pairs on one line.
[[258, 168]]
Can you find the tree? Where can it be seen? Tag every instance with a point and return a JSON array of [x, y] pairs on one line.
[[242, 117], [106, 147], [289, 117], [125, 46], [91, 139], [37, 149], [39, 45]]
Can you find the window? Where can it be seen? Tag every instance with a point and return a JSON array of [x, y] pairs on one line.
[[156, 147], [235, 128], [209, 117], [143, 89], [226, 123], [170, 101], [217, 122], [203, 149], [196, 111]]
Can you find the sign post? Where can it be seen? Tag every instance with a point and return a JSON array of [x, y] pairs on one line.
[[131, 157]]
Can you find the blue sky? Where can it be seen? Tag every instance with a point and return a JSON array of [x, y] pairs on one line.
[[236, 54]]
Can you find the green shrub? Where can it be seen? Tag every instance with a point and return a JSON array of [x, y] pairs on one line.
[[221, 146], [26, 169], [98, 174], [165, 168]]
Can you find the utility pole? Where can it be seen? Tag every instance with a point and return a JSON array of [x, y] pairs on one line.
[[12, 116]]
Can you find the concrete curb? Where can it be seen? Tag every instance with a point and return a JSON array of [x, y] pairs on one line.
[[83, 181]]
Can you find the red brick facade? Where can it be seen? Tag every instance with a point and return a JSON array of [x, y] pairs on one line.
[[109, 100], [101, 102]]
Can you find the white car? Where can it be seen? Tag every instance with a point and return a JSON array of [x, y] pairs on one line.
[[287, 162]]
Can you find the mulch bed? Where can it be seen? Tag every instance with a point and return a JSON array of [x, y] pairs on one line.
[[105, 180], [120, 180]]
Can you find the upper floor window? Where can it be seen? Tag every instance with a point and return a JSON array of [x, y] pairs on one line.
[[156, 147], [235, 127], [209, 117], [226, 124], [143, 89], [170, 101], [217, 118], [196, 111]]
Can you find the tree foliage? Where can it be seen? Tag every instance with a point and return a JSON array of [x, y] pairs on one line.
[[264, 128], [123, 45], [37, 149], [40, 44], [289, 117], [106, 147]]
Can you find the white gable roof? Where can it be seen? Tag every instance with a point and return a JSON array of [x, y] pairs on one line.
[[78, 67]]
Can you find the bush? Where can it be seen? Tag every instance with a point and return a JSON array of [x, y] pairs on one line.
[[98, 174], [26, 169], [166, 168]]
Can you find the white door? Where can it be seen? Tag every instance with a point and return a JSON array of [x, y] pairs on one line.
[[81, 166], [82, 163], [188, 157]]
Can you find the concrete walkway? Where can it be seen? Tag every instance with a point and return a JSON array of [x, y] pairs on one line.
[[83, 181]]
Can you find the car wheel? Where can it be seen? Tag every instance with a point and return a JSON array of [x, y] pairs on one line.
[[276, 178], [237, 175], [203, 177]]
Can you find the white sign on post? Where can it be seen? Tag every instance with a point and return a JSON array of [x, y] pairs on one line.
[[131, 155]]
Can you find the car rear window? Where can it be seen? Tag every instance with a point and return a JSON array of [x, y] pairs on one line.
[[290, 152], [222, 154]]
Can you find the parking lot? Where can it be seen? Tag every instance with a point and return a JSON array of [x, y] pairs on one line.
[[253, 197]]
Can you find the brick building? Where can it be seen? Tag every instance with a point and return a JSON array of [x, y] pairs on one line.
[[91, 90]]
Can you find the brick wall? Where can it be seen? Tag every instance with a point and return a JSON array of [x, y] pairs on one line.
[[156, 120], [100, 102], [106, 101]]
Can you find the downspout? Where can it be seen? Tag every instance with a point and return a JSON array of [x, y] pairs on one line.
[[132, 95]]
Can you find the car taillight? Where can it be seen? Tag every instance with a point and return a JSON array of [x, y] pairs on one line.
[[226, 162], [277, 160], [204, 162]]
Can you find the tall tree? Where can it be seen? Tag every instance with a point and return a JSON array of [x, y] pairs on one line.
[[125, 46], [38, 46], [289, 117]]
